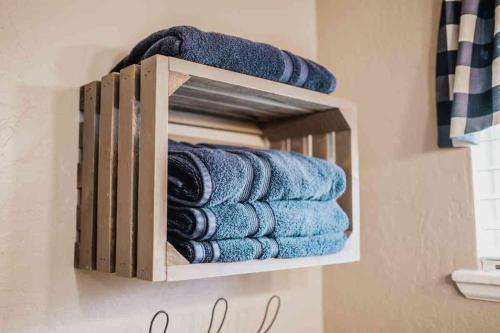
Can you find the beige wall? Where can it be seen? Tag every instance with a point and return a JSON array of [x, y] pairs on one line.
[[417, 218], [47, 50], [416, 200]]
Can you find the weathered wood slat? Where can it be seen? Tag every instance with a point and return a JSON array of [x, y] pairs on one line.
[[279, 145], [213, 122], [106, 189], [76, 258], [79, 175], [214, 108], [301, 145], [317, 123], [247, 88], [343, 151], [175, 80], [88, 207], [226, 100], [80, 135], [323, 146], [152, 195], [128, 168], [209, 135], [209, 89]]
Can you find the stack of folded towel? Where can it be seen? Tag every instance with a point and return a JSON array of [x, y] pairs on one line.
[[231, 204]]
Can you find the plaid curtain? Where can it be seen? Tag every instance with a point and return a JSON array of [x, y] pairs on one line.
[[467, 70]]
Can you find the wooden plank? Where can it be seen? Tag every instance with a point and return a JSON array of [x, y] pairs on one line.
[[88, 211], [210, 135], [208, 90], [128, 168], [279, 145], [152, 195], [257, 88], [76, 258], [211, 121], [318, 123], [189, 272], [223, 99], [174, 257], [176, 80], [80, 134], [81, 103], [323, 146], [301, 145], [346, 151], [202, 106], [344, 159], [79, 175], [106, 190]]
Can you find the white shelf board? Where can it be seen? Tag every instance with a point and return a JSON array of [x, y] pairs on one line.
[[350, 253]]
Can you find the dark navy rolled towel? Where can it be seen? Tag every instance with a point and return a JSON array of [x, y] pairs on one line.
[[204, 176], [233, 250], [290, 218], [234, 54]]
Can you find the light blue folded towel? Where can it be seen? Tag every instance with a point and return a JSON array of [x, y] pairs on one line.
[[232, 250], [207, 176], [257, 219]]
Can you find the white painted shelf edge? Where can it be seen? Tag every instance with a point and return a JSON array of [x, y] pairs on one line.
[[478, 285], [197, 271]]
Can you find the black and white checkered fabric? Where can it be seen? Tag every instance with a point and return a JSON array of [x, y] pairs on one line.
[[468, 70]]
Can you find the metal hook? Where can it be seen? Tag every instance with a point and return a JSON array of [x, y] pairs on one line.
[[154, 317], [222, 299], [267, 310]]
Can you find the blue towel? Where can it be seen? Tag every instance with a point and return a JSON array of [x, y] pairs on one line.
[[202, 175], [257, 219], [234, 54], [232, 250]]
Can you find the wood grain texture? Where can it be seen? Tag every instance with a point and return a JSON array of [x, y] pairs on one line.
[[212, 121], [76, 258], [317, 123], [323, 146], [80, 134], [176, 80], [88, 207], [108, 158], [280, 144], [174, 257], [210, 135], [301, 145], [128, 172], [344, 160], [152, 195]]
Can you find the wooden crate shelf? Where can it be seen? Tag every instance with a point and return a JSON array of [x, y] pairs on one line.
[[126, 120]]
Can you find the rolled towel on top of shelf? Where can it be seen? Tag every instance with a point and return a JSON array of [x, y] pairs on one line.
[[289, 218], [232, 250], [200, 175], [234, 54]]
